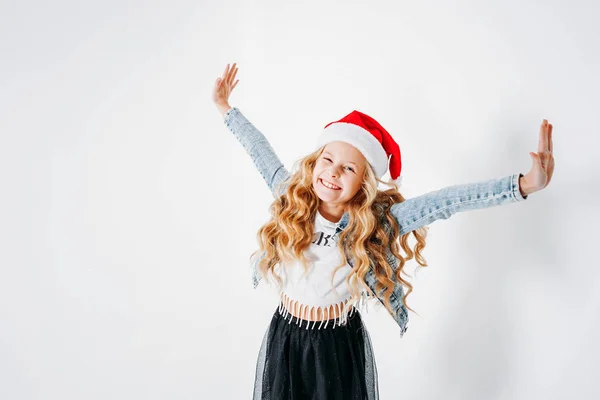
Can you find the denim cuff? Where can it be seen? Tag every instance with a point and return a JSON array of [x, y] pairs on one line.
[[516, 190], [228, 113]]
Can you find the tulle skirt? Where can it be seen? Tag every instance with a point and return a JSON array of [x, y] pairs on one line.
[[298, 360]]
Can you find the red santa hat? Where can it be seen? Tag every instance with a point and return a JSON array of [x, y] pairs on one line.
[[370, 138]]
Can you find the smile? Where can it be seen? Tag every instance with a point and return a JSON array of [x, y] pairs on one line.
[[329, 185]]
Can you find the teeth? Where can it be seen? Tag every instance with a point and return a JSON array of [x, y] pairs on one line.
[[328, 185]]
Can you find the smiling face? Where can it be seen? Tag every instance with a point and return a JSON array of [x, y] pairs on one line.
[[341, 165]]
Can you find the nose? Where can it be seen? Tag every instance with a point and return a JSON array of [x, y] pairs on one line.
[[334, 172]]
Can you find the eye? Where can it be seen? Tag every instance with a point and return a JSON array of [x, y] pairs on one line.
[[328, 159]]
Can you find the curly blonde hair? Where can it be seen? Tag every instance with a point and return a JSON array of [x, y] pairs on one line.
[[289, 231]]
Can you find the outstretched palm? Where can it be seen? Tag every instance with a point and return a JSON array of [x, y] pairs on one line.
[[543, 161]]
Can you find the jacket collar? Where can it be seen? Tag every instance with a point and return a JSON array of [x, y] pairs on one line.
[[343, 222]]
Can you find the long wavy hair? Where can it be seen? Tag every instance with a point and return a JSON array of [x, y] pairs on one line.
[[289, 232]]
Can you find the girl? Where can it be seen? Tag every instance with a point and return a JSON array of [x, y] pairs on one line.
[[333, 241]]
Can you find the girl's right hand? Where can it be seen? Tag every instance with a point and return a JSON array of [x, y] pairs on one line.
[[224, 86]]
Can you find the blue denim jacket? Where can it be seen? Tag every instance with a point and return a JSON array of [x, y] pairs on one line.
[[411, 214]]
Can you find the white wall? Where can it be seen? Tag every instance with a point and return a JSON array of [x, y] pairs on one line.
[[128, 210]]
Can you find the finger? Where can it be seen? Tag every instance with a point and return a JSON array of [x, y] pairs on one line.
[[536, 159], [235, 84], [542, 142], [550, 170], [225, 72], [229, 72], [550, 146], [533, 156], [232, 74], [545, 158]]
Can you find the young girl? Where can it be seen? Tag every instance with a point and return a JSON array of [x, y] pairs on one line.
[[333, 241]]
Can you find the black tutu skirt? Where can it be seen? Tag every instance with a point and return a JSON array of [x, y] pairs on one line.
[[306, 360]]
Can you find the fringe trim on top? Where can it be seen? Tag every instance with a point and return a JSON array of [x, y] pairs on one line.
[[342, 311]]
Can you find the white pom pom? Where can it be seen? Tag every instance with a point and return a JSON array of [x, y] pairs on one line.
[[398, 181]]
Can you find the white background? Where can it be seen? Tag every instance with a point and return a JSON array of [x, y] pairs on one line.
[[128, 210]]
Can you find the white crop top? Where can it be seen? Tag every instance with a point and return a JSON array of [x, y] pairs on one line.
[[312, 295]]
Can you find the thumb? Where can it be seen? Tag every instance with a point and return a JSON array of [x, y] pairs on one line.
[[535, 157]]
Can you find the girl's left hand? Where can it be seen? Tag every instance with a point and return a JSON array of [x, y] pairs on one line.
[[543, 162], [225, 85]]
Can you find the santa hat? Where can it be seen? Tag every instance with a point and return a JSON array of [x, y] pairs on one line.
[[370, 138]]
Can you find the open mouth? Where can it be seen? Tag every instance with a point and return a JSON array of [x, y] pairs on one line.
[[329, 185]]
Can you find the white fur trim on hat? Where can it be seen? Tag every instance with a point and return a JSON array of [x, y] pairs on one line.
[[360, 138]]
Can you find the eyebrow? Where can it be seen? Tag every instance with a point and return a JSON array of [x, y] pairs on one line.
[[350, 162]]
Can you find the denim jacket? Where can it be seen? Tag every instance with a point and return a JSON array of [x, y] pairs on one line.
[[410, 214]]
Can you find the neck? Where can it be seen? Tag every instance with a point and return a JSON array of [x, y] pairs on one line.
[[331, 213]]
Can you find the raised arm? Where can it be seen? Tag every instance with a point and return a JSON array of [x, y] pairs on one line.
[[442, 204], [255, 143], [258, 147]]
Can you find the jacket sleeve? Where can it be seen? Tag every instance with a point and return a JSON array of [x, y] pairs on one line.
[[258, 148], [441, 204]]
